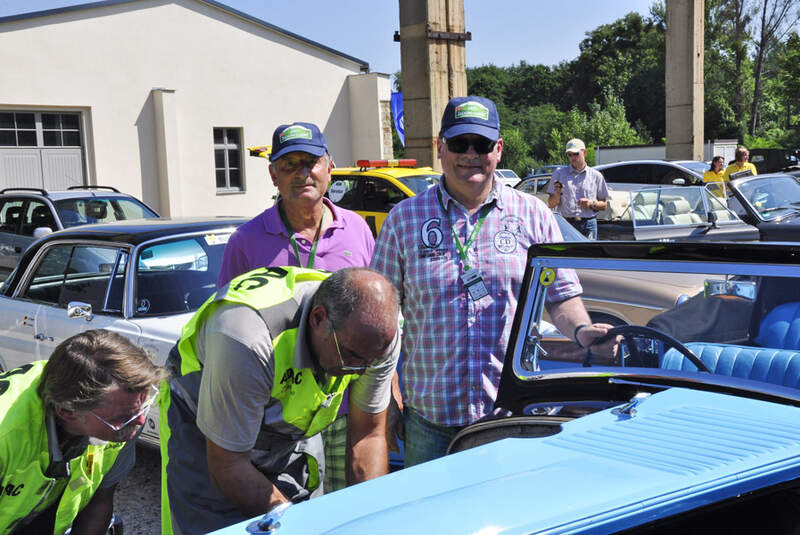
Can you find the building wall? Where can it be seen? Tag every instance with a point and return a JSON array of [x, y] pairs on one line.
[[219, 70], [367, 92]]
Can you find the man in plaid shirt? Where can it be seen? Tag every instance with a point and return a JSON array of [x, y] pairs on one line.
[[457, 255]]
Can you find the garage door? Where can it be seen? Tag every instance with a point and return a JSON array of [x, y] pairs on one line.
[[40, 149]]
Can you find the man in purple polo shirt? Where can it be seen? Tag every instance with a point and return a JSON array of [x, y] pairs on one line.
[[303, 229]]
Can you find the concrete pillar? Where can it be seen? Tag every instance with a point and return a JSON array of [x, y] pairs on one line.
[[166, 141], [684, 79], [432, 60]]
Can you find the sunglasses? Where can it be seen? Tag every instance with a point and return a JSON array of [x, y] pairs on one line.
[[461, 144], [342, 365], [143, 409]]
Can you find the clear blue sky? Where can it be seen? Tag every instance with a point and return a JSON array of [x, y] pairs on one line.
[[504, 32]]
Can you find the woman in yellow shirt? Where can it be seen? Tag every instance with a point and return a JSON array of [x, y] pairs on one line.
[[716, 176]]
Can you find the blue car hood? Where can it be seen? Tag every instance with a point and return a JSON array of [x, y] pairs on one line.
[[681, 449]]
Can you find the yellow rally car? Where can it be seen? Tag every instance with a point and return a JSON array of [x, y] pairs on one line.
[[376, 186], [373, 187]]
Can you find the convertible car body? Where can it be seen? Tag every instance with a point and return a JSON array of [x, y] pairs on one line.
[[689, 423]]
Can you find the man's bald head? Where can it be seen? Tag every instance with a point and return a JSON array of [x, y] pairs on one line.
[[360, 295]]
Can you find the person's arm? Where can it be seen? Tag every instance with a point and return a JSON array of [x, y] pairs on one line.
[[554, 196], [96, 516], [599, 205], [570, 314], [236, 477], [367, 455]]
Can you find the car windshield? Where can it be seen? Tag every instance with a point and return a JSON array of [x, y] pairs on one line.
[[419, 183], [772, 196], [678, 205], [178, 275], [676, 312], [82, 211]]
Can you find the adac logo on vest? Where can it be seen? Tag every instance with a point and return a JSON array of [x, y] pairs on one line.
[[291, 377], [11, 490]]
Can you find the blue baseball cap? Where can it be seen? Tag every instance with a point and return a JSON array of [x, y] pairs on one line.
[[303, 137], [471, 115]]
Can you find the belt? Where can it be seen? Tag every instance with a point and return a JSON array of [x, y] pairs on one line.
[[571, 219]]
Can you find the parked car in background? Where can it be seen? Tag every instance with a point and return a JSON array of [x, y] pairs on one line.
[[698, 167], [775, 160], [672, 213], [141, 278], [649, 172], [507, 177], [546, 169], [692, 427], [770, 202], [623, 298], [376, 186], [535, 185], [29, 213]]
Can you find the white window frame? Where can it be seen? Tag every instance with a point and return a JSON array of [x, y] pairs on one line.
[[226, 146]]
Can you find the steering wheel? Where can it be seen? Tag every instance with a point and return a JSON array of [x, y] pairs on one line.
[[654, 334]]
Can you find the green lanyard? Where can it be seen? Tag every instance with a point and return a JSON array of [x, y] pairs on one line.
[[288, 226], [462, 249]]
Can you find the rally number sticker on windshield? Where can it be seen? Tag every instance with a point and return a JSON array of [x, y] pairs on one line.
[[217, 239], [337, 191], [547, 277]]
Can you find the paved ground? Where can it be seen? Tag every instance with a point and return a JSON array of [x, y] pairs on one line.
[[138, 497]]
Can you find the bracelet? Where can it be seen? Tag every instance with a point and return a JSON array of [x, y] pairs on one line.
[[575, 334]]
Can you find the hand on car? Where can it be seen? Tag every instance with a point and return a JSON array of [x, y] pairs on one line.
[[605, 353]]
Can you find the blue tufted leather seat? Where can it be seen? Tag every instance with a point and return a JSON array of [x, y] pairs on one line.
[[780, 328], [776, 366]]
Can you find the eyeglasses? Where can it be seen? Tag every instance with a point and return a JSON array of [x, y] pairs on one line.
[[342, 365], [295, 164], [143, 409], [461, 144], [571, 154]]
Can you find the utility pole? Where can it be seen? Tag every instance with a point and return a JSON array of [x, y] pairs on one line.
[[433, 65], [684, 79]]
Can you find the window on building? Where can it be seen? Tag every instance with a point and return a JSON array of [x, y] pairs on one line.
[[228, 159], [38, 129]]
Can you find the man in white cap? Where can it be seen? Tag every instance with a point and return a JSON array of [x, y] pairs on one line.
[[577, 191]]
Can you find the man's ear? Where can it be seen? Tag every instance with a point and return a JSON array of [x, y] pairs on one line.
[[317, 315], [272, 175], [67, 416]]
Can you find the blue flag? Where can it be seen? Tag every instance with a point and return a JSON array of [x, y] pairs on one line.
[[397, 115]]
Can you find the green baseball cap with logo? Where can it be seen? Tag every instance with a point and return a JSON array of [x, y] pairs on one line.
[[471, 115], [302, 137]]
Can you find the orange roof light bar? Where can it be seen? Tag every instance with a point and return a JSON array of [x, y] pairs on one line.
[[408, 162]]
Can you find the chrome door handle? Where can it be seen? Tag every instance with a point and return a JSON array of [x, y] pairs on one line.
[[42, 336]]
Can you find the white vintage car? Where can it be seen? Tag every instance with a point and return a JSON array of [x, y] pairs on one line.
[[141, 278]]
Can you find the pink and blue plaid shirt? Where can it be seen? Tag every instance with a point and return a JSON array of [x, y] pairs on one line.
[[453, 347]]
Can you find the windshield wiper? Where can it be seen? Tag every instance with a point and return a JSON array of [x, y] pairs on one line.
[[791, 206]]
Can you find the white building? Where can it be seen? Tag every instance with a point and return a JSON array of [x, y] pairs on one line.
[[160, 98]]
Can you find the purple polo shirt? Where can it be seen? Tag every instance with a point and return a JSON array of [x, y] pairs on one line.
[[264, 241]]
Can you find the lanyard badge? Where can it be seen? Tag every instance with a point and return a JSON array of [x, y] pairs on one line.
[[473, 282], [472, 278]]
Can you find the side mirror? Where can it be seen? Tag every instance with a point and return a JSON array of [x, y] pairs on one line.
[[39, 232], [712, 218], [77, 309], [679, 181]]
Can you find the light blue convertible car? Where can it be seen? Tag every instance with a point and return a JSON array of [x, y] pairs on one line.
[[692, 426]]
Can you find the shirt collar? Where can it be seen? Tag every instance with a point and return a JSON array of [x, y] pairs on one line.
[[497, 195], [273, 224], [59, 459]]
